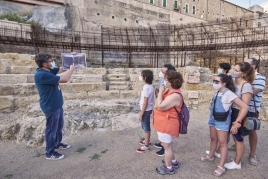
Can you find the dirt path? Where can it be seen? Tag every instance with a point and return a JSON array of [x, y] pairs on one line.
[[118, 157]]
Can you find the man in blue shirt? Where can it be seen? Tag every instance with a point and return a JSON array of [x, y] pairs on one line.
[[51, 101], [258, 87]]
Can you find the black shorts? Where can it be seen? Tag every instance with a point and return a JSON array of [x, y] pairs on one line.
[[242, 130]]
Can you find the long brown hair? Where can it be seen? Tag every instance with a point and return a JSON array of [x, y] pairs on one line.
[[248, 70]]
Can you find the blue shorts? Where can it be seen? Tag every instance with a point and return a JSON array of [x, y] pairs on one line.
[[145, 123], [221, 126]]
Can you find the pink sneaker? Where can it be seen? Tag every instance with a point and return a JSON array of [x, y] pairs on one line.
[[143, 149]]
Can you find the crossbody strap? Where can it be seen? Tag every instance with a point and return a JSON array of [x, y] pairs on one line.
[[257, 113], [181, 104], [215, 101]]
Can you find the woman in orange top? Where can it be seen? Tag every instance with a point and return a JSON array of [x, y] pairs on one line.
[[165, 119]]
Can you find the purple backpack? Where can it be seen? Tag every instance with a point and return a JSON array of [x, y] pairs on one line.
[[184, 117]]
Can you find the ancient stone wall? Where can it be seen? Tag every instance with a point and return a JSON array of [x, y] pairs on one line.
[[95, 98]]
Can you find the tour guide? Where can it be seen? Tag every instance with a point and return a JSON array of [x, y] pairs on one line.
[[51, 101]]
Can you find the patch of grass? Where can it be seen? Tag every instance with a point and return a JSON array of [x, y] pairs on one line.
[[13, 17], [38, 154], [8, 175], [141, 138], [81, 149], [95, 157], [104, 151]]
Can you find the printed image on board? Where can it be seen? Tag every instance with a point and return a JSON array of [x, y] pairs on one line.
[[79, 61]]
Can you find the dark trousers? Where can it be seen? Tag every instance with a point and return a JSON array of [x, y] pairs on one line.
[[54, 128]]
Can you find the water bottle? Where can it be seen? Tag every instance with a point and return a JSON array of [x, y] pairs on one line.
[[238, 137]]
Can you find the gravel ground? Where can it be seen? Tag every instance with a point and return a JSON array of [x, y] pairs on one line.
[[112, 154]]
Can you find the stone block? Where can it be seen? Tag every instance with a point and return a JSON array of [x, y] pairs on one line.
[[129, 94], [22, 70], [25, 89], [12, 79], [193, 94], [6, 90], [99, 86], [30, 78], [205, 96], [27, 57], [79, 87], [13, 56], [191, 74], [24, 101], [84, 78], [75, 96], [200, 86], [4, 63], [6, 103], [104, 94], [96, 71]]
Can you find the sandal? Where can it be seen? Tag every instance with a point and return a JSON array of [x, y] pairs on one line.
[[217, 173], [207, 159]]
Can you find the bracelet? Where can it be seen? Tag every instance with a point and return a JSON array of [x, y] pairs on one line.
[[239, 122]]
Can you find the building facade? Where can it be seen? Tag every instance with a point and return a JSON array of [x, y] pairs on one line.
[[209, 10]]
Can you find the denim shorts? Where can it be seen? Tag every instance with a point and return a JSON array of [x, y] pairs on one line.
[[145, 123], [221, 126]]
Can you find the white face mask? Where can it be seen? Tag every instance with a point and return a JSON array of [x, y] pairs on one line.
[[236, 74], [161, 74], [220, 71], [217, 86], [53, 65], [140, 78]]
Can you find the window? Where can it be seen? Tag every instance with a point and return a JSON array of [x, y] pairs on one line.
[[164, 3], [151, 1], [193, 9], [186, 8], [259, 24], [176, 4]]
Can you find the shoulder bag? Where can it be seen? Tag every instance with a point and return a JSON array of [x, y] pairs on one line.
[[252, 123]]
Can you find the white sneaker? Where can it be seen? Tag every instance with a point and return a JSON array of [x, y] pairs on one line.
[[232, 165], [215, 154]]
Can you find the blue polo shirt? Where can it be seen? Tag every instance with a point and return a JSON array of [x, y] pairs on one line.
[[49, 90]]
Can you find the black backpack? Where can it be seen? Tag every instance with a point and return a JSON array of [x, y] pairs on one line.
[[184, 117]]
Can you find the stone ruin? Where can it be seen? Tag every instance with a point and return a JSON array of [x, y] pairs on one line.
[[94, 99]]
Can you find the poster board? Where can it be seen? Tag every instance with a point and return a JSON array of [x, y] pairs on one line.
[[79, 61]]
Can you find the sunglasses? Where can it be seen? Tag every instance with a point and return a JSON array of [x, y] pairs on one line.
[[216, 81]]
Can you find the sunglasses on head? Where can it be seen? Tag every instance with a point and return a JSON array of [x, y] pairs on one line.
[[216, 81]]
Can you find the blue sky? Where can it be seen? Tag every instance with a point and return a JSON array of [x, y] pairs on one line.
[[245, 3]]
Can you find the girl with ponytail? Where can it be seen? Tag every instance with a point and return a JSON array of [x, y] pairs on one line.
[[220, 118], [243, 76]]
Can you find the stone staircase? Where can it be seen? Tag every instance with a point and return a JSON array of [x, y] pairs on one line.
[[118, 79]]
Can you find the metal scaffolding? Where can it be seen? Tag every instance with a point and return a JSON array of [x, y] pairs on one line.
[[234, 39]]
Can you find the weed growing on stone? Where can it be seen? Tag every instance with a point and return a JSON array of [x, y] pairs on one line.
[[95, 157], [141, 138], [38, 154], [104, 151], [81, 149], [8, 175]]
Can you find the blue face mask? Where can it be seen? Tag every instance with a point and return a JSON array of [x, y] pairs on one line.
[[220, 71], [53, 65]]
